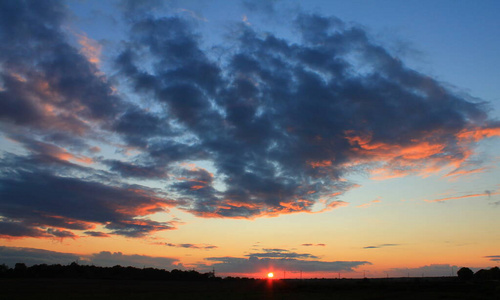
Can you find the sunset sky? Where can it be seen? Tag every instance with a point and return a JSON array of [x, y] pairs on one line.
[[332, 138]]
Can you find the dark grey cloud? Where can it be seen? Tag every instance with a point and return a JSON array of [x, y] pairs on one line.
[[17, 229], [61, 233], [126, 169], [33, 198], [31, 256], [47, 83], [96, 234], [268, 117]]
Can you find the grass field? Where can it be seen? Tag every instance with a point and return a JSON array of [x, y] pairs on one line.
[[410, 289]]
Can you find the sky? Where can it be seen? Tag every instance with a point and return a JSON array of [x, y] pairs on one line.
[[322, 138]]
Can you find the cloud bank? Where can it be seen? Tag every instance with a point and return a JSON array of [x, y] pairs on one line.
[[254, 264], [31, 256]]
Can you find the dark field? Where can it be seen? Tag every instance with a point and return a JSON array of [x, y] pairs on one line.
[[421, 288]]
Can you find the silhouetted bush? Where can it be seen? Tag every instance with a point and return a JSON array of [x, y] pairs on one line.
[[491, 274], [465, 274]]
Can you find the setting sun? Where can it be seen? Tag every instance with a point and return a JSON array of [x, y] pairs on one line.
[[270, 275]]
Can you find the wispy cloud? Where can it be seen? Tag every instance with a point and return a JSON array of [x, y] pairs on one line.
[[493, 257], [280, 253], [91, 49], [485, 194], [369, 203], [193, 14], [190, 246], [381, 246]]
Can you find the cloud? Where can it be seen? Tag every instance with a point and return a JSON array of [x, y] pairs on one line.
[[272, 127], [96, 234], [91, 49], [485, 194], [34, 198], [47, 83], [192, 14], [126, 169], [369, 203], [493, 257], [381, 246], [11, 230], [254, 265], [109, 259], [427, 271], [249, 138], [61, 233], [280, 253], [190, 246], [310, 245], [32, 256]]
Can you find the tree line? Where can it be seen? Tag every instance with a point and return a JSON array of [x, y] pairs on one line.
[[75, 270], [468, 274]]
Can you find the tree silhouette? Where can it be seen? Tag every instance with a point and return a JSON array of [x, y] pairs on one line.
[[74, 270], [465, 274]]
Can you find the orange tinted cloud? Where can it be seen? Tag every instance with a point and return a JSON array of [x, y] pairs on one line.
[[318, 164], [91, 49], [458, 173], [154, 205], [261, 210], [66, 156], [463, 197], [420, 149], [423, 156], [369, 203], [332, 205], [477, 134], [387, 173]]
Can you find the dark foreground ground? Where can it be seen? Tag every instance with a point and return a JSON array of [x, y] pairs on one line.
[[421, 288]]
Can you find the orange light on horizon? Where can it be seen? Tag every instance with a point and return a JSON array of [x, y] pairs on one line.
[[270, 275]]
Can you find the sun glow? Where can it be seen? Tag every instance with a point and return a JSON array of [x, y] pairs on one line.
[[270, 275]]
